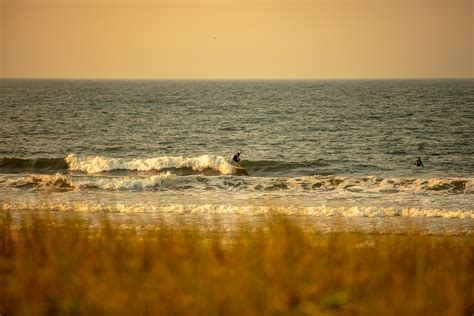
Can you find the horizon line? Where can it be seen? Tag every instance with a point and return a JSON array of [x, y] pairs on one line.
[[236, 79]]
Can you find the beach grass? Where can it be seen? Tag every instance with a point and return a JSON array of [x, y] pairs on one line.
[[65, 266]]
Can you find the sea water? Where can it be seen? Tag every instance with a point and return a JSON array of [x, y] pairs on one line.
[[332, 155]]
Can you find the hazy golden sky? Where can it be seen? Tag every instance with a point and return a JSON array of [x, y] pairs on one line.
[[254, 38]]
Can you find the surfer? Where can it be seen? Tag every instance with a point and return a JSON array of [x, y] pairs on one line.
[[236, 157], [418, 162], [238, 169]]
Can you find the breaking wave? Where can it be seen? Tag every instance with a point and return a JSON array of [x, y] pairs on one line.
[[63, 182], [204, 164], [386, 185], [96, 164], [169, 180], [57, 181]]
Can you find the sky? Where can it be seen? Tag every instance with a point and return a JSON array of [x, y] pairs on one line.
[[236, 39]]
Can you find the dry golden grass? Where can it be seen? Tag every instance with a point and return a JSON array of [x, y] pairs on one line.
[[65, 267]]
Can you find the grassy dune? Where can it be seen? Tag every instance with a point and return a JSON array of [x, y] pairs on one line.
[[65, 267]]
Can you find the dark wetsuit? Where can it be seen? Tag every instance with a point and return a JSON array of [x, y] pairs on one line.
[[236, 157], [418, 163]]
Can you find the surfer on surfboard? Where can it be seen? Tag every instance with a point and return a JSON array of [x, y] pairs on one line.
[[236, 157], [239, 170]]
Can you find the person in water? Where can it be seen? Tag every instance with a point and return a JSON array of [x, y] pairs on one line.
[[236, 157], [418, 162]]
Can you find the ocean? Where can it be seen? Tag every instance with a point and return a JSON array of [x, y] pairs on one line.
[[332, 155]]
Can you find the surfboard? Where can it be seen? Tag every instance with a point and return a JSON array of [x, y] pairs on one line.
[[241, 171]]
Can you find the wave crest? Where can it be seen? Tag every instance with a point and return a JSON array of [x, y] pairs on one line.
[[56, 181], [62, 182], [97, 164], [308, 185], [384, 185]]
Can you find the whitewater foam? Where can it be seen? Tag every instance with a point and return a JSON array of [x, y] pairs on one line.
[[381, 185], [61, 181], [57, 181], [316, 211], [336, 184], [125, 183], [96, 164]]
